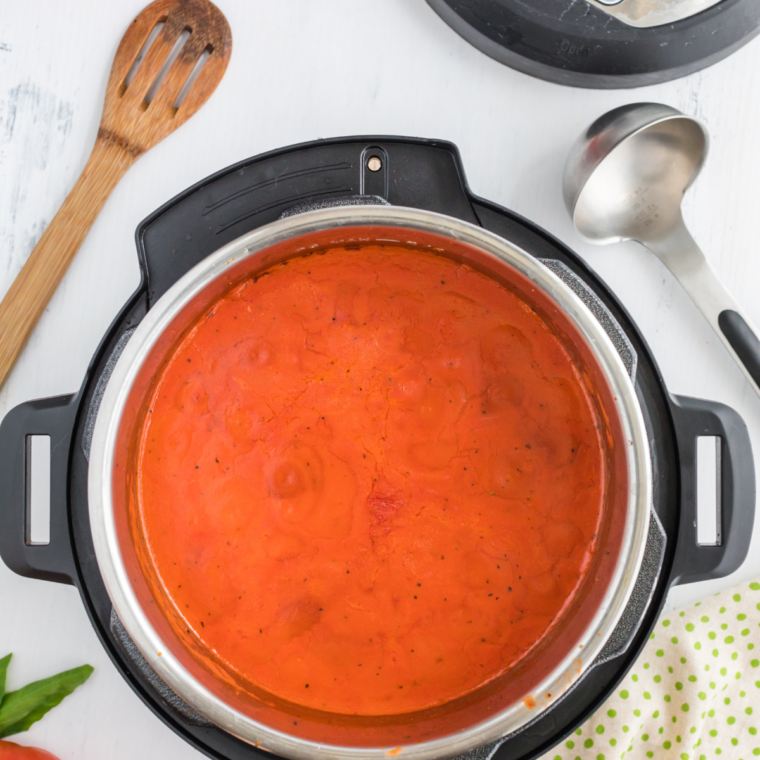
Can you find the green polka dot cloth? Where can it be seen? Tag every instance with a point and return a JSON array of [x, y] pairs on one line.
[[693, 694]]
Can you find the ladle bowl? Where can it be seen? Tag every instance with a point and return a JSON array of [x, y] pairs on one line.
[[625, 179]]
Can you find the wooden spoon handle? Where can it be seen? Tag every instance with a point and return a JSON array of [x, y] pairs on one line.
[[32, 290]]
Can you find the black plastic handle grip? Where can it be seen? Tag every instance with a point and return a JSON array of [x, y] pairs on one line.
[[53, 417], [695, 418], [743, 340]]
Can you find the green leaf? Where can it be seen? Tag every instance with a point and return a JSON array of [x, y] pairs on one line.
[[3, 670], [20, 709]]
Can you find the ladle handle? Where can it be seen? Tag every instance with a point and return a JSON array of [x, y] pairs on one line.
[[683, 257]]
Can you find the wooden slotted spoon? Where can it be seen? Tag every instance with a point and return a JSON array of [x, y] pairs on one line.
[[132, 123]]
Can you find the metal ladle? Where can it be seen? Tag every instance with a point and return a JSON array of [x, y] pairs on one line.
[[625, 179]]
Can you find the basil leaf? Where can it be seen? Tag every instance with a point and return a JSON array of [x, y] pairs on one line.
[[3, 670], [20, 709]]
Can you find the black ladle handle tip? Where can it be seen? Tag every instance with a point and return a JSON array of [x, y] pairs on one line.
[[743, 340]]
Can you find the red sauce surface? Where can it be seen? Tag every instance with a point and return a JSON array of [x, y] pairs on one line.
[[371, 481]]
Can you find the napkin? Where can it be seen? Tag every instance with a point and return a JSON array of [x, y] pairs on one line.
[[693, 693]]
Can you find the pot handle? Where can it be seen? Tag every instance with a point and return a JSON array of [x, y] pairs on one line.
[[736, 503], [52, 417]]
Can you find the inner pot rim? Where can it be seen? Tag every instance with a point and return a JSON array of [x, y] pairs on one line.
[[158, 319]]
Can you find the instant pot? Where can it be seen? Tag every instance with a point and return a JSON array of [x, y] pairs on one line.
[[346, 190]]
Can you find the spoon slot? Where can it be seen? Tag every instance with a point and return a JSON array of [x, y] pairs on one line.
[[164, 70], [141, 55], [154, 67], [190, 81]]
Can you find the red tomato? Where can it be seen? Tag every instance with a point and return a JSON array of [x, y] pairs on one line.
[[12, 751]]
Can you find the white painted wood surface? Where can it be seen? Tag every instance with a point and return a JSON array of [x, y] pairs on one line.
[[301, 70]]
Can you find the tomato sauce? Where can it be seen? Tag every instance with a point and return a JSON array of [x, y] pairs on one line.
[[370, 481]]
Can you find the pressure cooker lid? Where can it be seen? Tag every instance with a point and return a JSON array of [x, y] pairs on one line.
[[604, 43]]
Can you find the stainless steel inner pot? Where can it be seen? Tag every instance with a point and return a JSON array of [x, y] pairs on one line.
[[497, 709]]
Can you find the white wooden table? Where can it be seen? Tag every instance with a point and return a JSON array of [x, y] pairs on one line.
[[300, 70]]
